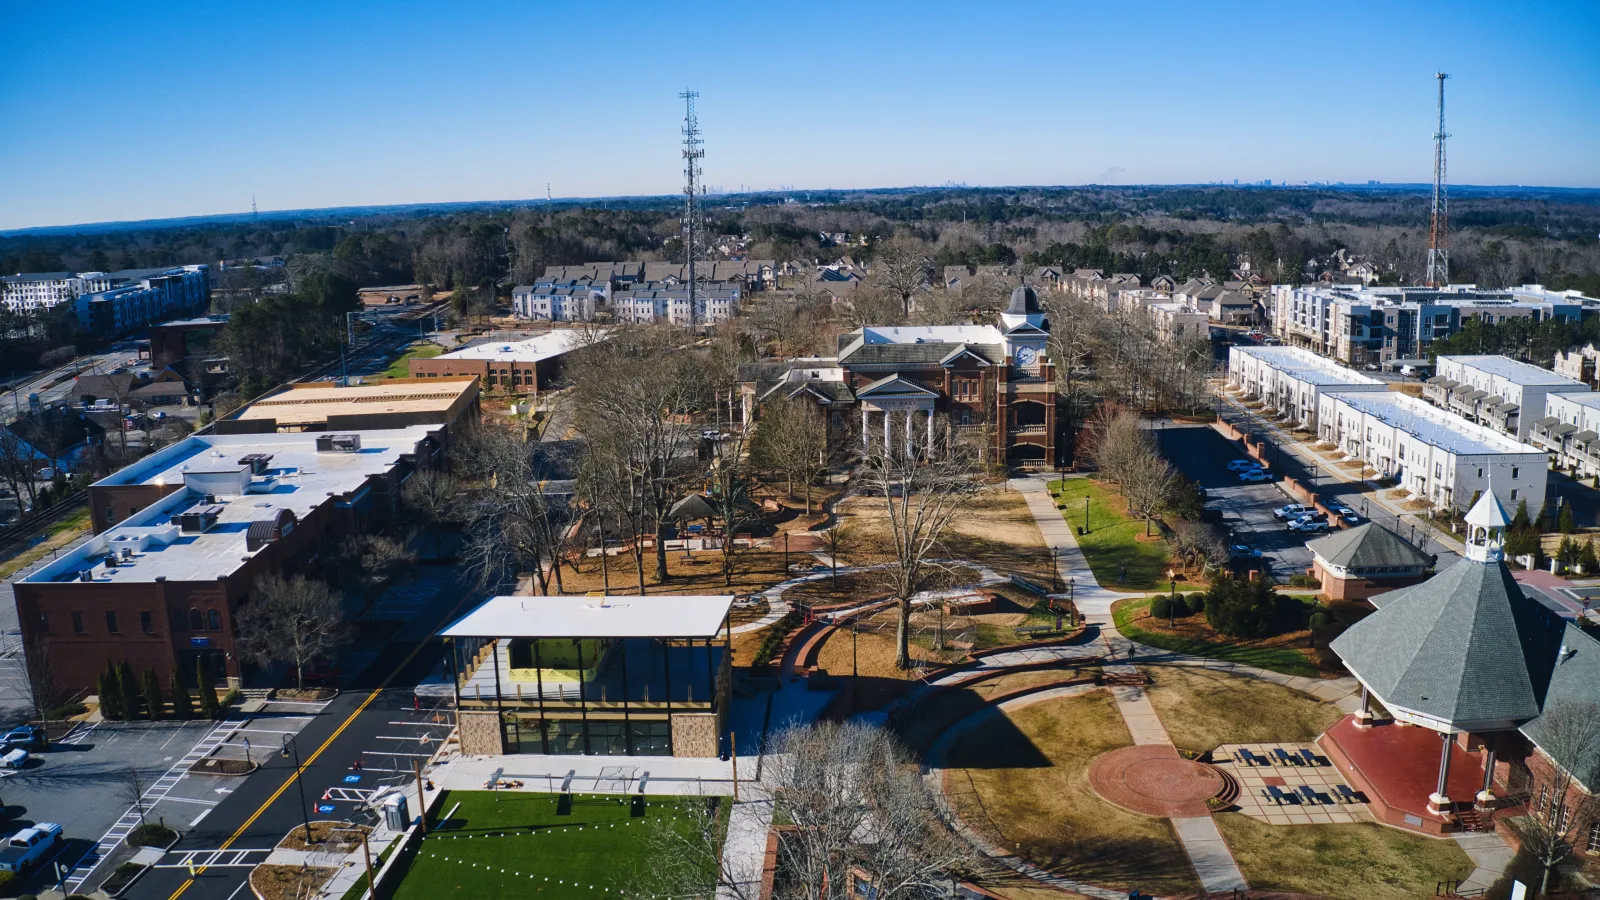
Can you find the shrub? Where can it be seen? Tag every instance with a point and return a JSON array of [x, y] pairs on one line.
[[151, 834], [1302, 580], [1319, 619], [1197, 603], [774, 638], [1587, 559], [1162, 607], [65, 712], [1242, 609]]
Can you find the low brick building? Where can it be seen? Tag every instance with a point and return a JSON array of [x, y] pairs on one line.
[[1359, 562], [518, 367], [184, 534]]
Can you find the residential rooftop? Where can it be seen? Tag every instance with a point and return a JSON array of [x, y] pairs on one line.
[[1304, 366], [1431, 425], [225, 478], [1515, 371]]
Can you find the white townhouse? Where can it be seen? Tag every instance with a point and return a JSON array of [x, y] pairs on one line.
[[1292, 380], [1570, 430], [1497, 391]]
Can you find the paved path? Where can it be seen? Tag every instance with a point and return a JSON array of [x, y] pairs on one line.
[[744, 853], [1489, 854]]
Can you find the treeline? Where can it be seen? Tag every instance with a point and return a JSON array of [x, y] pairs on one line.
[[274, 339], [1518, 338]]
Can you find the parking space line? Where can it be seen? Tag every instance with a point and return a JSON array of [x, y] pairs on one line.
[[203, 814], [427, 724], [171, 799], [396, 753]]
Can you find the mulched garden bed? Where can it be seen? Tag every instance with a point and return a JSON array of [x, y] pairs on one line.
[[326, 837], [308, 694], [289, 882], [213, 765]]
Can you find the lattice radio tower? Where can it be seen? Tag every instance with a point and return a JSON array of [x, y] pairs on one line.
[[1439, 228], [693, 152]]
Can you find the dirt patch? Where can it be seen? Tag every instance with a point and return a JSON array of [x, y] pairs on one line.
[[289, 882], [213, 765], [306, 694], [994, 529], [699, 572], [326, 837]]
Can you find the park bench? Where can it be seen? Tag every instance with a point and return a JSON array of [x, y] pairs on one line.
[[1283, 758], [1345, 795], [1308, 757], [1273, 794], [1309, 795], [1247, 758], [1037, 630]]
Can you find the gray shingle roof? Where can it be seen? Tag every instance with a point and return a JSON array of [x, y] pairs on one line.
[[1367, 545], [886, 387], [1465, 647], [925, 355], [1574, 683]]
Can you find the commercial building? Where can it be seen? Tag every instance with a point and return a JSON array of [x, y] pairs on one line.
[[1435, 455], [1360, 325], [1570, 431], [1361, 562], [1292, 380], [523, 367], [183, 534], [143, 297], [636, 676], [1496, 391], [393, 403]]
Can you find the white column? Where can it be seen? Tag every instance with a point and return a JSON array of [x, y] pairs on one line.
[[910, 425], [888, 442], [866, 436], [930, 433]]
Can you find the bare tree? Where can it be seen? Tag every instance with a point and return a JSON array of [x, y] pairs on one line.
[[792, 437], [923, 485], [1148, 483], [1113, 441], [373, 561], [902, 267], [730, 480], [292, 620], [133, 790], [431, 499], [838, 539], [1200, 543], [512, 525], [856, 802], [1562, 803]]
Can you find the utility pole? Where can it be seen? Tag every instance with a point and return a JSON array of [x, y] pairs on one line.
[[693, 152], [1439, 225]]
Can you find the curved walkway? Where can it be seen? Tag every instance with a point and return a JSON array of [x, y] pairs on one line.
[[777, 607]]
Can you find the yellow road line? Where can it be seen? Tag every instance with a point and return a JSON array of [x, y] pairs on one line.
[[303, 766]]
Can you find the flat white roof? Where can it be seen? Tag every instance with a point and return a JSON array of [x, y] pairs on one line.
[[298, 479], [1514, 371], [1431, 425], [1303, 365], [573, 616], [534, 349], [933, 334]]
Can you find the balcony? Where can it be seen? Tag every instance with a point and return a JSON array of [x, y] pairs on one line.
[[1028, 429]]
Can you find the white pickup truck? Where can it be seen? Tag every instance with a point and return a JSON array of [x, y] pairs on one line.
[[29, 847]]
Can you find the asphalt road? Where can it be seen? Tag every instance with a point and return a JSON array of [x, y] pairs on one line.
[[371, 717]]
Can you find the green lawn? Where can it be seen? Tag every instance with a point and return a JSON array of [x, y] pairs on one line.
[[1363, 861], [1111, 544], [1287, 660], [509, 844], [401, 368]]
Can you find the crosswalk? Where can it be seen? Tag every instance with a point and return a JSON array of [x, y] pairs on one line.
[[154, 794], [212, 859]]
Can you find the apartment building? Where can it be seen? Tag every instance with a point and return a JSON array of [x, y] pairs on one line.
[[1361, 325], [1291, 379], [1497, 391], [1435, 455], [568, 302], [143, 297], [28, 293], [1578, 363], [654, 302], [1176, 322], [1570, 431]]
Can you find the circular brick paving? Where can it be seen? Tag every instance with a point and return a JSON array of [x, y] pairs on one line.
[[1155, 781]]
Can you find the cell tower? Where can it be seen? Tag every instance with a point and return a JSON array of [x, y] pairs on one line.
[[254, 214], [1439, 228], [693, 152]]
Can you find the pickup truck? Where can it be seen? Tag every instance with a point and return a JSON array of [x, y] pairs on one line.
[[28, 847]]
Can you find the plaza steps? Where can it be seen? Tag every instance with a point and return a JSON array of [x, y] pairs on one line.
[[1230, 788]]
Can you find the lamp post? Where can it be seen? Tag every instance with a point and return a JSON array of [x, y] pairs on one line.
[[289, 746], [1172, 606], [605, 574], [1085, 515]]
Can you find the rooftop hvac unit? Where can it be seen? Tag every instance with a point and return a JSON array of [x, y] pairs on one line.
[[339, 443], [86, 575]]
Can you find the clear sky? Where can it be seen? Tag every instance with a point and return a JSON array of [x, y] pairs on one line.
[[143, 110]]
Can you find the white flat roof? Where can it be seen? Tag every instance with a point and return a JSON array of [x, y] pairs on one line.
[[301, 481], [1432, 425], [573, 616], [534, 349], [1514, 371], [933, 334], [1303, 365]]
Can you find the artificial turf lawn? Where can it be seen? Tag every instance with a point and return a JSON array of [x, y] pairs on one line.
[[509, 844], [1112, 544]]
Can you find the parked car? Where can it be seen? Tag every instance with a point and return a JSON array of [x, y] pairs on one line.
[[1308, 525], [14, 759], [1240, 551], [1239, 465], [1350, 516], [1255, 476], [29, 847], [1292, 511], [28, 737]]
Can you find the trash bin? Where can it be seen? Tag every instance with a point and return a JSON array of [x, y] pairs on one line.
[[397, 812]]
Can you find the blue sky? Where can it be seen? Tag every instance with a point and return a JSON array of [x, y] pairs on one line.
[[129, 111]]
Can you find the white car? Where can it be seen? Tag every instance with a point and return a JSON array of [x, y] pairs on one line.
[[1255, 476], [1239, 465], [1292, 511], [1308, 525]]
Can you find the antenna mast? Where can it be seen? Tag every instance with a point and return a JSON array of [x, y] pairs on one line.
[[253, 213], [693, 152], [1439, 227]]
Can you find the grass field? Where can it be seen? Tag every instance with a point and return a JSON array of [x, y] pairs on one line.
[[400, 368], [63, 533], [1288, 660], [1202, 708], [513, 845], [1344, 862], [1112, 543]]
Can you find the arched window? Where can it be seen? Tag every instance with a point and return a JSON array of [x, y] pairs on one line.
[[214, 620], [196, 623]]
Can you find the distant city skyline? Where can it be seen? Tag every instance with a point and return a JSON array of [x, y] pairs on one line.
[[183, 109]]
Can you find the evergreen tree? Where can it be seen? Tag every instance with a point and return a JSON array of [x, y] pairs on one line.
[[206, 689], [1521, 519], [152, 695], [1564, 523], [182, 708], [129, 687], [109, 692], [1587, 559]]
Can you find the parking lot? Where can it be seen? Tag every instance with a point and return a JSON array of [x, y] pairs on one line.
[[1202, 455]]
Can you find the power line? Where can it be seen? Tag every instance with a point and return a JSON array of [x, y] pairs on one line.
[[1439, 225]]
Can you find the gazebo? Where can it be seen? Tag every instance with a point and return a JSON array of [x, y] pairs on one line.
[[1465, 656]]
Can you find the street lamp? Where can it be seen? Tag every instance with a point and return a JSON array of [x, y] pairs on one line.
[[289, 746], [605, 575]]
